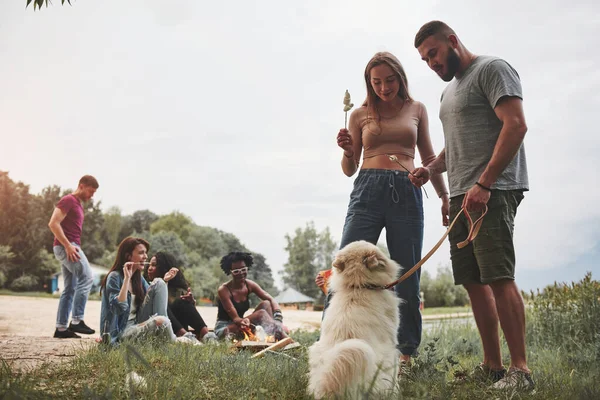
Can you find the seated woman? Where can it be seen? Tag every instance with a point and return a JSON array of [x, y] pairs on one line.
[[131, 308], [181, 305], [233, 301]]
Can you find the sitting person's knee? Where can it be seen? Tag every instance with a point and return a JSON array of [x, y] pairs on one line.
[[158, 284], [265, 305], [261, 314]]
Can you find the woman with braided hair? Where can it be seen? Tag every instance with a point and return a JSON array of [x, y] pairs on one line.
[[233, 301]]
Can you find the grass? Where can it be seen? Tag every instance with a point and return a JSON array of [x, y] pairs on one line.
[[7, 292], [214, 372], [562, 342], [445, 310]]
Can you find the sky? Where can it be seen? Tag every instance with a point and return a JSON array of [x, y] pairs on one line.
[[229, 112]]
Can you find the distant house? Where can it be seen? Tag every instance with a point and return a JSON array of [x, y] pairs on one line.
[[290, 298], [97, 271]]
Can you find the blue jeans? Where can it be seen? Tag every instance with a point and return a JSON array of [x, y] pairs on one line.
[[78, 280], [151, 317], [387, 199]]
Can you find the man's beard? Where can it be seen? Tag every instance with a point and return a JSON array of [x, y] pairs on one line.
[[452, 65]]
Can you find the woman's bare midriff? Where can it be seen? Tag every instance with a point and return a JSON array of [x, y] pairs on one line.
[[383, 162]]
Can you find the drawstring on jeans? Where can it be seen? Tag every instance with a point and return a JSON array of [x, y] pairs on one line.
[[392, 182]]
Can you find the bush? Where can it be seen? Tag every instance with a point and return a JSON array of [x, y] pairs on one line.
[[24, 283], [2, 279], [441, 290], [566, 314]]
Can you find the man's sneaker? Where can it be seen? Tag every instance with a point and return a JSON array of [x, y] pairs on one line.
[[81, 327], [66, 334], [481, 374], [517, 380]]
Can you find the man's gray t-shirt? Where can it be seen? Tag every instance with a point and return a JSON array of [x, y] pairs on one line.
[[471, 127]]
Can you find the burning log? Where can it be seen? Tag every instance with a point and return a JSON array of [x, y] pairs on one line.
[[275, 346]]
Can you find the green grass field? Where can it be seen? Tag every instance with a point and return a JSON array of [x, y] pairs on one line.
[[563, 346]]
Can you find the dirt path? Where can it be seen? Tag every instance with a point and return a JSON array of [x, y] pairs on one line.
[[27, 326]]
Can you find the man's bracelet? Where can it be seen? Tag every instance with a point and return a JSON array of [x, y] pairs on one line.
[[350, 156], [483, 187], [277, 315], [442, 194]]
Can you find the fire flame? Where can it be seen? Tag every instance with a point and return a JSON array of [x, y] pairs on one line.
[[249, 336]]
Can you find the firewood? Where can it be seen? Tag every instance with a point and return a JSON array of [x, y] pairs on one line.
[[275, 346]]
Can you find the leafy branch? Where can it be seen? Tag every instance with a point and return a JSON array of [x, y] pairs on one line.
[[40, 3]]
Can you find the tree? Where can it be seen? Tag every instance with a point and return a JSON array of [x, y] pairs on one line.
[[24, 234], [40, 3], [112, 224], [6, 263], [441, 290], [45, 203], [204, 277], [94, 238], [169, 242], [174, 222], [261, 274], [308, 253], [137, 223], [16, 219], [206, 241]]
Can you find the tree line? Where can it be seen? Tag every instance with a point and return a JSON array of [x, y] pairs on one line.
[[27, 261]]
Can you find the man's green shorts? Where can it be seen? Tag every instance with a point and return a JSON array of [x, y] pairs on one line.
[[491, 256]]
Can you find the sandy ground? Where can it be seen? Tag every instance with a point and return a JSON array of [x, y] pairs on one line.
[[27, 325]]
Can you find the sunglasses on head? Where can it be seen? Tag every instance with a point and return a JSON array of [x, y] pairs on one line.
[[239, 271]]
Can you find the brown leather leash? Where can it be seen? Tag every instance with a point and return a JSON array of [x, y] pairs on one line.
[[474, 228]]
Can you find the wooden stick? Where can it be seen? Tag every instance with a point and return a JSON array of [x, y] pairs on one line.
[[275, 346]]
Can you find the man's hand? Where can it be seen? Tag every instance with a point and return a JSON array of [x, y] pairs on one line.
[[72, 253], [445, 210], [476, 199], [420, 176]]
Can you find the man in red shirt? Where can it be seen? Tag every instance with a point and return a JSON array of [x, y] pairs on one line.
[[66, 224]]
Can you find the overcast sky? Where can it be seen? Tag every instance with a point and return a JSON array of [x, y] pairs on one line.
[[228, 112]]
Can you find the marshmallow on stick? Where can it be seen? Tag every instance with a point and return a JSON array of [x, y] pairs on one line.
[[347, 107]]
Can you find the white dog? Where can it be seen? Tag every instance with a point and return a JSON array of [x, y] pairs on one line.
[[357, 351]]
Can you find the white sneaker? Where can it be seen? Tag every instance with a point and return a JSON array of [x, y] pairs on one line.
[[210, 337], [189, 338]]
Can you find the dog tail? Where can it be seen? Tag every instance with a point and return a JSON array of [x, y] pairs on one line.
[[344, 367]]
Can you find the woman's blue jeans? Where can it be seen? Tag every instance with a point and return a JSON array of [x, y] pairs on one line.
[[387, 199]]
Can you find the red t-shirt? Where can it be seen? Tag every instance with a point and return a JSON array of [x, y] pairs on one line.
[[73, 222]]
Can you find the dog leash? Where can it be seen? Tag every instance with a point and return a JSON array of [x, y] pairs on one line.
[[474, 228]]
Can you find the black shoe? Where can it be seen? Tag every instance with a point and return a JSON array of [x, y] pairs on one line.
[[81, 327], [66, 334]]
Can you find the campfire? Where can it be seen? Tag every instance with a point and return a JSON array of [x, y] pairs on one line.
[[258, 341], [258, 335]]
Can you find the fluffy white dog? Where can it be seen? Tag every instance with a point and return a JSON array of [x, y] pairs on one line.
[[357, 351]]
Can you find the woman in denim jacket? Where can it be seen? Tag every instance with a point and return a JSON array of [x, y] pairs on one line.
[[131, 308]]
